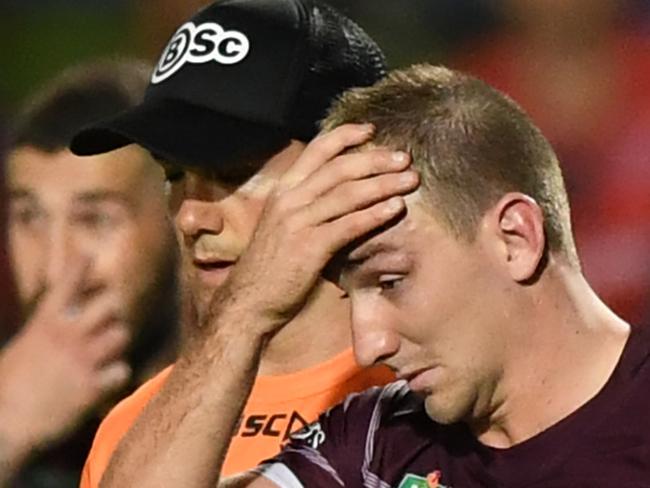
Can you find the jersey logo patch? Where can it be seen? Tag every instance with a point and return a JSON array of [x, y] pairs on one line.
[[312, 435], [270, 425], [432, 480], [200, 44]]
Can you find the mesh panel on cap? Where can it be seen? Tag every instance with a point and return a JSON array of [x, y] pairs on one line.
[[340, 55]]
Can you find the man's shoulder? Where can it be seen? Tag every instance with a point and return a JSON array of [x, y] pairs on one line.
[[375, 435], [134, 403], [115, 426], [120, 419], [365, 414], [385, 401]]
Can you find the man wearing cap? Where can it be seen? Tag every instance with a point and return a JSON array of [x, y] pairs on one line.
[[236, 95]]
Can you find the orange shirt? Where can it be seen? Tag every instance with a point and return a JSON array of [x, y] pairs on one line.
[[278, 405]]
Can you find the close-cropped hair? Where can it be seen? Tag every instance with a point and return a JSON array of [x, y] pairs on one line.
[[77, 97], [470, 143]]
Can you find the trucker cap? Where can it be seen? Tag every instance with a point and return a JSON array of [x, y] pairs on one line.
[[242, 75]]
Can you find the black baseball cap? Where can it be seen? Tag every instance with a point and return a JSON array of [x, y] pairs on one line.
[[239, 76]]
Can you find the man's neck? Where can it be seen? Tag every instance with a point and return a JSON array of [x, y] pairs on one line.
[[321, 331], [570, 345]]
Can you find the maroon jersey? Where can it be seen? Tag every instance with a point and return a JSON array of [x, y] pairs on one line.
[[383, 438]]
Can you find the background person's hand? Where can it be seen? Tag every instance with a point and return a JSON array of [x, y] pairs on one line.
[[64, 361], [327, 199]]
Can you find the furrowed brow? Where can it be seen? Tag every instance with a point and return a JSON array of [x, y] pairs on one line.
[[365, 253]]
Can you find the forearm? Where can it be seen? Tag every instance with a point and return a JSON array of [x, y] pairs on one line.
[[182, 437]]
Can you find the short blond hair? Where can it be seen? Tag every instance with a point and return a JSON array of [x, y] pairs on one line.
[[470, 143]]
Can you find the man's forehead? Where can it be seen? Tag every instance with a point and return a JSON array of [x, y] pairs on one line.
[[387, 239], [395, 236], [128, 162], [377, 244], [361, 252], [64, 177], [237, 170]]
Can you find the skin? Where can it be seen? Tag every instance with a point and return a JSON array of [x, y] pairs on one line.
[[270, 287], [89, 242]]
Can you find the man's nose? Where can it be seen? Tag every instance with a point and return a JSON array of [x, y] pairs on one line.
[[373, 340], [196, 217], [62, 249]]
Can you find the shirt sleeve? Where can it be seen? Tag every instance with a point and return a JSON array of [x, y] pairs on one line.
[[331, 452]]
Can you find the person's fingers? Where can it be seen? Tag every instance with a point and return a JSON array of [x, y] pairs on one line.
[[356, 195], [354, 166], [108, 344], [96, 313], [352, 226], [112, 376], [324, 148]]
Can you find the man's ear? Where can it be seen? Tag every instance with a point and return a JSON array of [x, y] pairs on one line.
[[518, 223]]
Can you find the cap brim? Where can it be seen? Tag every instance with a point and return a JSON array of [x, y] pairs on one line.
[[179, 132]]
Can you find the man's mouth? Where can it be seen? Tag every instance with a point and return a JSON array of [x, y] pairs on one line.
[[213, 271], [212, 264], [418, 379], [409, 375]]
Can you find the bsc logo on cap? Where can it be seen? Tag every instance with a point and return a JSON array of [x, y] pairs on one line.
[[200, 44]]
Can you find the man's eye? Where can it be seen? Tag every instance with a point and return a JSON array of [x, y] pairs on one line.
[[26, 215], [389, 282], [94, 220]]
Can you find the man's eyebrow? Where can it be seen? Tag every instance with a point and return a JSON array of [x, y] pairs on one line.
[[366, 252], [16, 193]]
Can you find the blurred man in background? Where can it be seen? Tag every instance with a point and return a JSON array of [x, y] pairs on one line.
[[93, 258]]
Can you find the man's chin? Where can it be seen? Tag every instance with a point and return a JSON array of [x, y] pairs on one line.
[[204, 289], [443, 411]]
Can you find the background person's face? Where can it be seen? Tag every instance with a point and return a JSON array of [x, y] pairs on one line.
[[215, 219], [427, 305], [108, 208]]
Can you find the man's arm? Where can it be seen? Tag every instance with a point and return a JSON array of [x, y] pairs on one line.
[[322, 203]]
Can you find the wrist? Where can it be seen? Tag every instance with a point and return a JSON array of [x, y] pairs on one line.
[[240, 318], [228, 337]]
